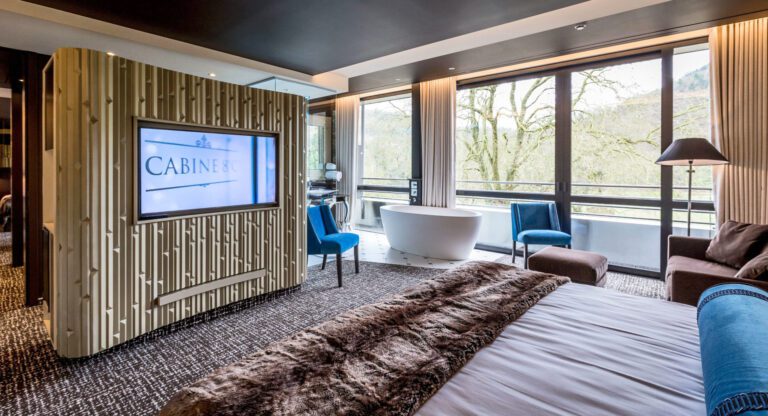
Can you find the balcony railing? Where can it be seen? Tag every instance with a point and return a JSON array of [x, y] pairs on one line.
[[701, 194], [625, 228]]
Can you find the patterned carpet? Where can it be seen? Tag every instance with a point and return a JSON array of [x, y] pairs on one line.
[[138, 378], [11, 279]]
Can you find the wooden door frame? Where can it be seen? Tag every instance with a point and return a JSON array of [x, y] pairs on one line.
[[26, 169]]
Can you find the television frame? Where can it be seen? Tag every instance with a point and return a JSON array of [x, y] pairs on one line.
[[139, 122]]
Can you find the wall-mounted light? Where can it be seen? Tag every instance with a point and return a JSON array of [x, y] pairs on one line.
[[110, 53], [580, 26], [212, 74]]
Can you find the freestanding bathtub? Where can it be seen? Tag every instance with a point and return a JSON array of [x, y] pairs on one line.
[[442, 233]]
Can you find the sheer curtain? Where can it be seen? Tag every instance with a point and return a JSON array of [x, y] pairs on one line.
[[347, 142], [739, 62], [438, 145]]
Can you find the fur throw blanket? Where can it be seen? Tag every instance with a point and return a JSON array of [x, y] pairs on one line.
[[385, 358]]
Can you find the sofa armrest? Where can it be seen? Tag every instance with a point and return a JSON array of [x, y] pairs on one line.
[[692, 247], [687, 287]]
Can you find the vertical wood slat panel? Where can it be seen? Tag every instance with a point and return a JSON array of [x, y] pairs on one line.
[[109, 269]]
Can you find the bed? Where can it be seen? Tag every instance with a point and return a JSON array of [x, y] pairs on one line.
[[583, 350], [573, 350]]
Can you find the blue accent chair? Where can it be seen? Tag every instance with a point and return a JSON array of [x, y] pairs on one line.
[[324, 237], [536, 223]]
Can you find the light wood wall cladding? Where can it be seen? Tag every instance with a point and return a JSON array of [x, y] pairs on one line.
[[109, 270]]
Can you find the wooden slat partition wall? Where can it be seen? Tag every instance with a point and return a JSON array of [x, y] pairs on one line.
[[110, 270]]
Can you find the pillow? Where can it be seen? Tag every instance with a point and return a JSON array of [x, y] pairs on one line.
[[737, 243], [756, 269], [734, 351]]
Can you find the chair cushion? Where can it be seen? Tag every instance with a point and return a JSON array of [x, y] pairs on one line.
[[339, 242], [687, 264], [548, 237], [580, 266], [737, 243]]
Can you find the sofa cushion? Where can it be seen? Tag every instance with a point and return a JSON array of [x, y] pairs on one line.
[[737, 243], [756, 269], [687, 264]]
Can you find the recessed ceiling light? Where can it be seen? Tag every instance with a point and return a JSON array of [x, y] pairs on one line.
[[110, 53], [212, 74], [397, 79], [580, 26], [451, 69]]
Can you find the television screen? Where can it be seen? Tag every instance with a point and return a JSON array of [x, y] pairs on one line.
[[186, 170]]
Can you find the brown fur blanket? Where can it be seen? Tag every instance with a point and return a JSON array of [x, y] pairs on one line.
[[386, 358]]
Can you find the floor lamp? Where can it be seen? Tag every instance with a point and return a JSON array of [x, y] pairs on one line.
[[691, 152]]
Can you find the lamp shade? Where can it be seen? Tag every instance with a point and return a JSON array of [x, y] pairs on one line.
[[694, 151]]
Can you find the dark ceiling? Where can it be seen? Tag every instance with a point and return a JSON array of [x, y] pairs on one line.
[[671, 17], [311, 36]]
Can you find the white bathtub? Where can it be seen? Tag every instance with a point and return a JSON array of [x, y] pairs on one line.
[[442, 233]]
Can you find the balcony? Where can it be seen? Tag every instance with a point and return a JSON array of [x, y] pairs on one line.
[[627, 230]]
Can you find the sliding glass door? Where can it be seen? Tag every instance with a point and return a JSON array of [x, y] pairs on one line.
[[586, 136], [691, 118], [615, 139], [505, 150]]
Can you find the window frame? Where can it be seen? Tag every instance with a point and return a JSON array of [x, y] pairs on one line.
[[563, 195], [361, 151]]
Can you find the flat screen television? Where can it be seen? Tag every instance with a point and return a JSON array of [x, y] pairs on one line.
[[190, 169]]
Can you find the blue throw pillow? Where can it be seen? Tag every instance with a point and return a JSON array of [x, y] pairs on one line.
[[733, 337]]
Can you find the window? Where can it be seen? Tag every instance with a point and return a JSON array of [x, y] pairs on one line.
[[505, 138], [691, 118], [386, 157], [316, 140], [616, 130], [615, 140], [586, 136], [319, 146]]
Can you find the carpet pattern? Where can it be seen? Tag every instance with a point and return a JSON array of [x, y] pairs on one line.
[[139, 378], [11, 278]]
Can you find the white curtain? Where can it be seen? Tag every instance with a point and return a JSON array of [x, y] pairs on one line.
[[438, 148], [739, 62], [347, 141]]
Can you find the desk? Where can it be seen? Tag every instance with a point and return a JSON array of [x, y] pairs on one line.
[[330, 197], [321, 195]]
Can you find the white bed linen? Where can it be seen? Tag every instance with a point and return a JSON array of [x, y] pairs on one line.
[[584, 351]]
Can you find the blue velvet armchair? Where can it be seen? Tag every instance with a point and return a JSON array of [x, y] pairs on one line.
[[324, 237], [536, 223]]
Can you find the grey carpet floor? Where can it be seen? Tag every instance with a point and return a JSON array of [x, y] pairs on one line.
[[139, 378]]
